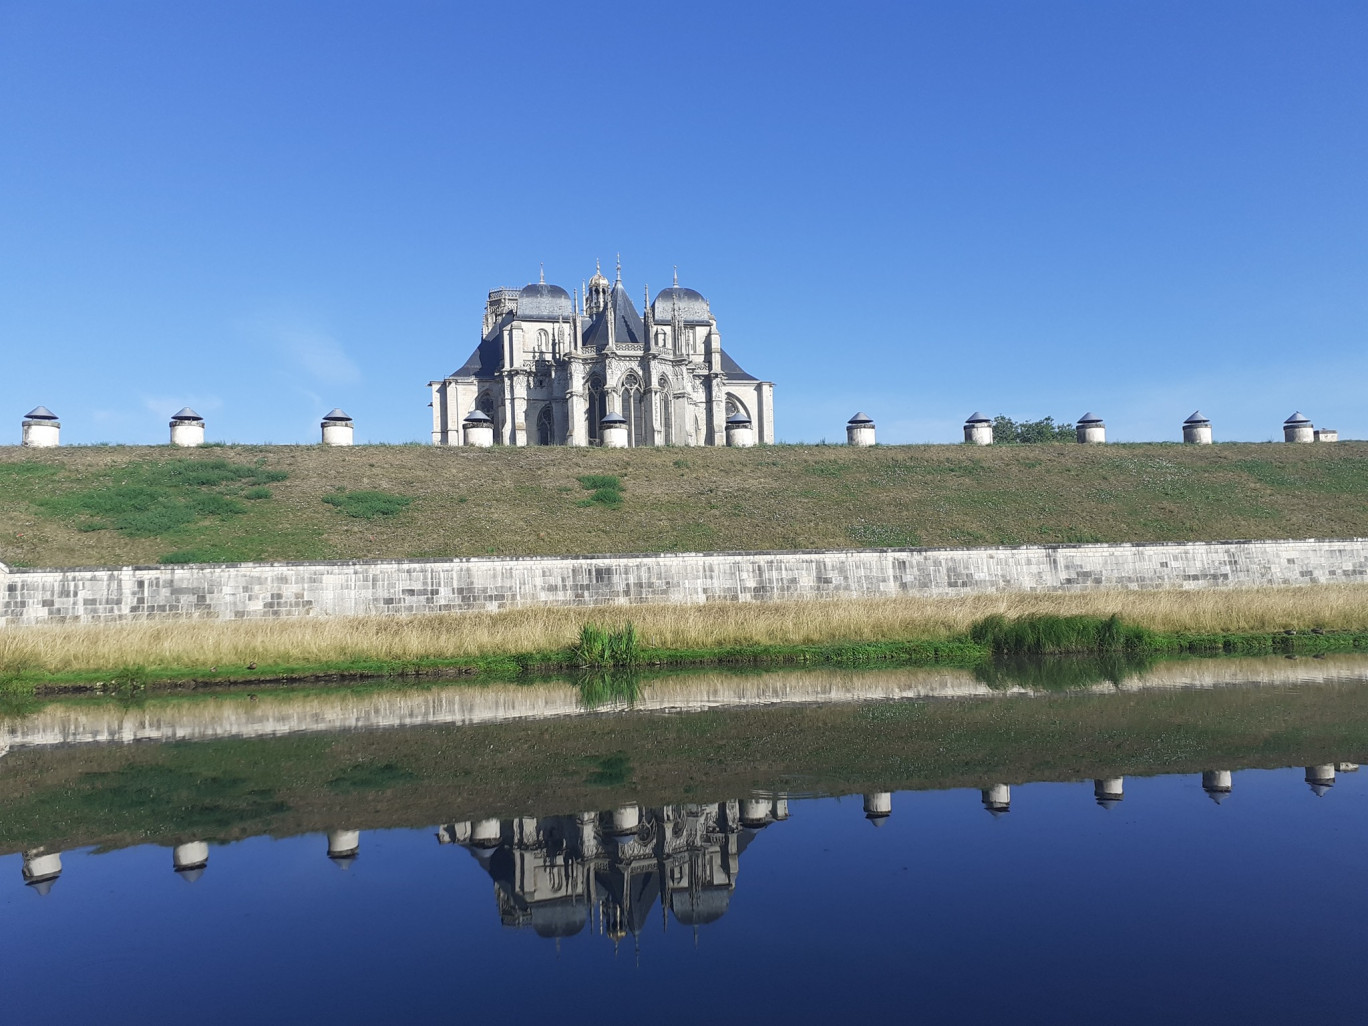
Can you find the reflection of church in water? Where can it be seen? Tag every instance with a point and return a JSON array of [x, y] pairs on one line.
[[608, 871]]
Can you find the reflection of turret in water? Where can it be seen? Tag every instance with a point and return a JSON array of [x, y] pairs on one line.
[[557, 873], [757, 813], [1320, 779], [344, 846], [1109, 791], [1346, 767], [189, 860], [997, 799], [878, 807], [626, 821], [41, 869], [1216, 783]]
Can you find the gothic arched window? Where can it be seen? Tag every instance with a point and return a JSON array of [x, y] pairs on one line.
[[546, 431], [665, 418], [543, 340], [596, 409], [633, 408]]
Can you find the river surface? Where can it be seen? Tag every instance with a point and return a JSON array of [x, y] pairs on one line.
[[1217, 896]]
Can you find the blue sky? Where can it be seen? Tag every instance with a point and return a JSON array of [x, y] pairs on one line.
[[267, 209]]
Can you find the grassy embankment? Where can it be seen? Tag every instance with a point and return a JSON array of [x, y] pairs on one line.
[[97, 506], [115, 505], [117, 795], [517, 643]]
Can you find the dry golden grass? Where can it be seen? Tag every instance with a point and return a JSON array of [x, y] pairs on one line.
[[179, 644]]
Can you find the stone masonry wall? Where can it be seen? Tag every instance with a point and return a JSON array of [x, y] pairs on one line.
[[356, 587]]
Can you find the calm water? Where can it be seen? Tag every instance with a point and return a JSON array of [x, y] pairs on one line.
[[1217, 897], [1167, 905]]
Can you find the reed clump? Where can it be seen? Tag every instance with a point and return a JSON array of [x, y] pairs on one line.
[[231, 645], [601, 647], [1036, 634]]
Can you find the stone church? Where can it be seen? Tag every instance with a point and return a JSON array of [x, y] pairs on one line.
[[549, 368]]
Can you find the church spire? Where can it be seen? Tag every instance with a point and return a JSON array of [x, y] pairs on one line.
[[676, 280], [619, 267], [541, 274]]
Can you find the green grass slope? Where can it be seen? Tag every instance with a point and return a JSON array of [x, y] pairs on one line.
[[116, 505]]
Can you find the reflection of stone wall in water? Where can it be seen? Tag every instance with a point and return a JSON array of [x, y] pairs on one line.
[[356, 588], [273, 715], [559, 874]]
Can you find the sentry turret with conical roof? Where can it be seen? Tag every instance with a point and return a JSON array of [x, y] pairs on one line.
[[860, 430], [41, 429], [338, 428], [187, 428], [613, 430], [740, 433], [978, 429], [1298, 428], [479, 429], [1090, 429], [1196, 429]]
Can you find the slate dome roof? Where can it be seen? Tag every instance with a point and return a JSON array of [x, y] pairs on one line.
[[337, 416], [40, 413], [1297, 418], [692, 307], [861, 418], [1090, 418], [1196, 418], [978, 418], [542, 302], [186, 414]]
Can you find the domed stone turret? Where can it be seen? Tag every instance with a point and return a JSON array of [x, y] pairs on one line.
[[1297, 428], [1197, 429], [337, 428], [187, 428], [860, 430], [978, 429], [1091, 430]]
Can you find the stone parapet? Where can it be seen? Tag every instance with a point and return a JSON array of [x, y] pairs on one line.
[[370, 587]]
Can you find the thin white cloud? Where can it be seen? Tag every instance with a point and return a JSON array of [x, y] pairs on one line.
[[319, 355]]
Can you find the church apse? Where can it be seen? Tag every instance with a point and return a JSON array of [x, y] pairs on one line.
[[551, 365]]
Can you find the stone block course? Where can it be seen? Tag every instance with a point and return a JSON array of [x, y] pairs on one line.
[[355, 587]]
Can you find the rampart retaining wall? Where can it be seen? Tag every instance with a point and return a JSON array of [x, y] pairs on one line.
[[366, 587]]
